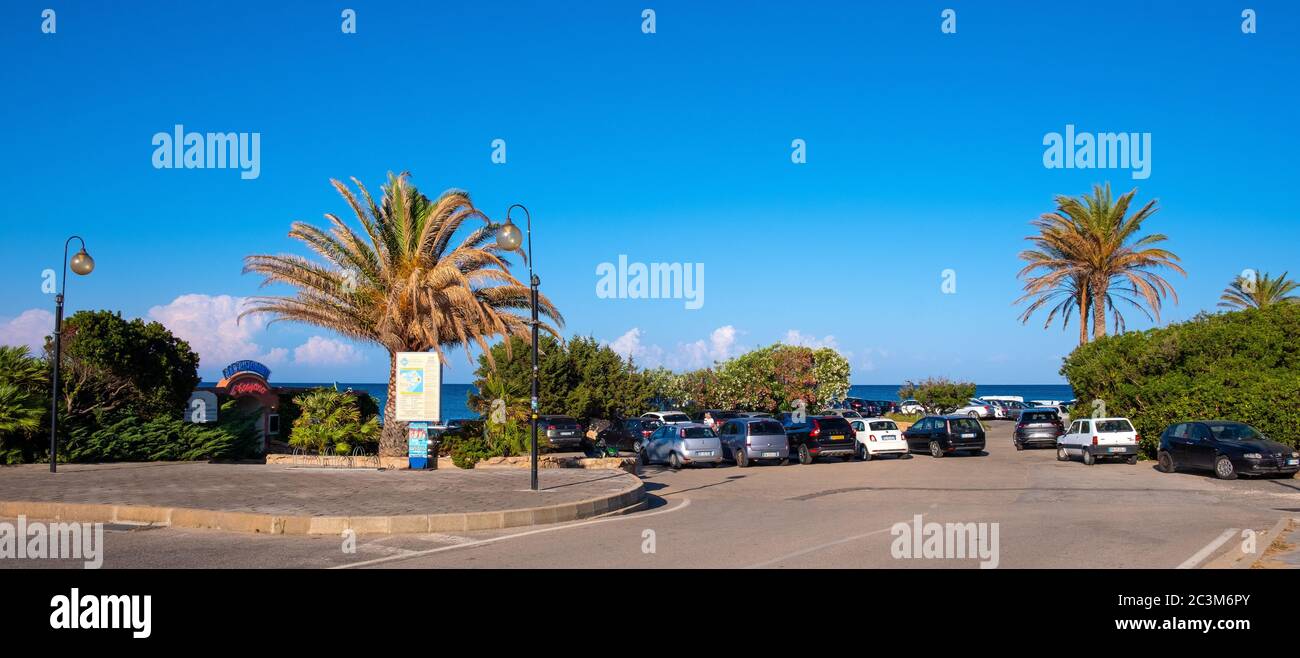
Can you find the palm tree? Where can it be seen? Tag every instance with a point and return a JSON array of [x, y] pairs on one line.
[[1258, 291], [405, 286], [1062, 286], [1089, 243], [23, 400]]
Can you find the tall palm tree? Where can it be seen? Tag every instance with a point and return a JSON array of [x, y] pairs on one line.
[[405, 286], [1062, 285], [1259, 291], [1093, 238]]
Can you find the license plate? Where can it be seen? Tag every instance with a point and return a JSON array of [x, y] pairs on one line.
[[968, 436], [770, 454], [1117, 450], [890, 438], [705, 453], [1292, 462], [566, 433], [837, 437]]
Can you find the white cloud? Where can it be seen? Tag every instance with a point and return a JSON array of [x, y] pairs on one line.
[[719, 346], [629, 347], [30, 329], [796, 338], [320, 351], [211, 326]]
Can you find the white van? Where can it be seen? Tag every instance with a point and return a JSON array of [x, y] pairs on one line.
[[1099, 438]]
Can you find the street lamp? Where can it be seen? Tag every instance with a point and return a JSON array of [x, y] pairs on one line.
[[81, 264], [509, 238]]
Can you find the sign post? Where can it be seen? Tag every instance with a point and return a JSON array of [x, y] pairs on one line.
[[419, 402]]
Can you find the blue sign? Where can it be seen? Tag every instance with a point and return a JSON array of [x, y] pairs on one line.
[[246, 366], [417, 445]]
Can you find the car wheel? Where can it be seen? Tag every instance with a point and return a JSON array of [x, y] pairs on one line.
[[974, 414], [1019, 445], [1088, 457], [636, 447], [1132, 459], [742, 459], [1165, 462], [805, 456], [1061, 454], [1223, 468], [645, 456], [935, 450], [675, 462], [864, 454]]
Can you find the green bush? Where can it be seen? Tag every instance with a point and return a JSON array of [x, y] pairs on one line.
[[24, 405], [938, 393], [330, 422], [1242, 366], [167, 439]]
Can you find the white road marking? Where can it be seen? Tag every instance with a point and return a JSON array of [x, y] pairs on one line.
[[1209, 548], [813, 549], [621, 517]]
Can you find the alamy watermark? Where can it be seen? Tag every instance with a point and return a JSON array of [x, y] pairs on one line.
[[103, 611], [1082, 150], [192, 150], [638, 280], [945, 541], [35, 540]]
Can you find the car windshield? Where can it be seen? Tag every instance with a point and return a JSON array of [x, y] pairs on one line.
[[1234, 432], [1038, 417], [965, 425], [884, 425], [676, 418], [696, 433], [834, 425], [1118, 425], [766, 427]]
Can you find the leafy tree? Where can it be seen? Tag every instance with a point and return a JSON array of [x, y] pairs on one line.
[[114, 367], [582, 378], [167, 438], [405, 286], [1259, 292], [832, 374], [938, 393]]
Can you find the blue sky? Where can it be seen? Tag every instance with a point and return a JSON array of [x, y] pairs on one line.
[[924, 153]]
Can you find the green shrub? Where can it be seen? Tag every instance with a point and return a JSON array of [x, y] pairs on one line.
[[330, 422], [1242, 366], [167, 439], [939, 393]]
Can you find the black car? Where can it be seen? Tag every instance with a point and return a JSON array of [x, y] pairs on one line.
[[940, 435], [821, 436], [868, 408], [624, 435], [887, 406], [1226, 447], [560, 431], [1038, 427]]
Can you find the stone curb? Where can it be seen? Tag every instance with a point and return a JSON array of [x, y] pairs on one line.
[[1236, 558], [185, 517]]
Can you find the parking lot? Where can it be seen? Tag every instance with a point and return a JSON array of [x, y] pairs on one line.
[[826, 515]]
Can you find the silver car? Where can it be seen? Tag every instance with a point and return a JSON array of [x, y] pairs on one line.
[[745, 440], [681, 445]]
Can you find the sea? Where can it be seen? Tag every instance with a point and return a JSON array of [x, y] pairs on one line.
[[455, 396]]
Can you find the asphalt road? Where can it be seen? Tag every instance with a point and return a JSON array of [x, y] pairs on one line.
[[830, 514]]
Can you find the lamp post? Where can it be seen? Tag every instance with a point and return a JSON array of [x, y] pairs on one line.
[[508, 238], [82, 264]]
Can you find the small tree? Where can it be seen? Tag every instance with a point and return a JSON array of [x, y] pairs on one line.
[[939, 393], [330, 422]]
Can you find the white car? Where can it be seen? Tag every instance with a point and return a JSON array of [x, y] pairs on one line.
[[842, 413], [877, 436], [1099, 438], [667, 417], [977, 409], [911, 407]]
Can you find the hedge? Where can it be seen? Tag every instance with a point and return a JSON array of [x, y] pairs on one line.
[[1243, 366]]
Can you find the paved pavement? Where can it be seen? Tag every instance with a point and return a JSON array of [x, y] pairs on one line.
[[295, 491], [830, 514]]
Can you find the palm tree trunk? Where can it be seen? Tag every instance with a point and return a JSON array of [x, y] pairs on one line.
[[1083, 314], [1099, 287], [392, 439]]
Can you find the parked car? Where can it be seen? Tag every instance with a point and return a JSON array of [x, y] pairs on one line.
[[745, 440], [667, 417], [976, 409], [1007, 409], [682, 444], [625, 436], [910, 406], [940, 435], [867, 408], [561, 431], [1099, 438], [1226, 447], [842, 413], [714, 417], [1038, 427], [821, 436], [755, 414], [877, 436], [887, 406]]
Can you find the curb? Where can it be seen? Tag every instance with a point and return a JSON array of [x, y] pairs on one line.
[[186, 517], [1236, 558]]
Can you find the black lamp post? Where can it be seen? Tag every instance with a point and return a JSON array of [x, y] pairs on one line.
[[82, 264], [508, 238]]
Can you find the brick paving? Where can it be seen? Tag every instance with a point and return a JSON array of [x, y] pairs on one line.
[[286, 490]]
